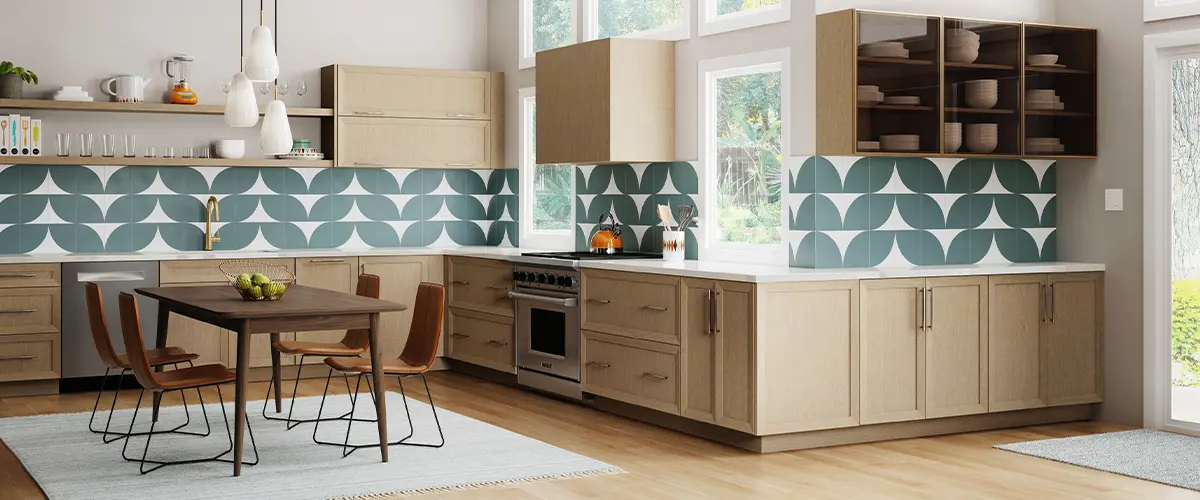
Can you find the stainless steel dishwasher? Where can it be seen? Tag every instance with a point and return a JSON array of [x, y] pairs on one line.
[[79, 358]]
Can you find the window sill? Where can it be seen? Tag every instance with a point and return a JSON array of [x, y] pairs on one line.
[[744, 20]]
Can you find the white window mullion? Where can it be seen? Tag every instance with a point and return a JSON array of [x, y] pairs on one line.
[[586, 20]]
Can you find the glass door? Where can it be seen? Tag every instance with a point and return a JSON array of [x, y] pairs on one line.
[[1184, 396]]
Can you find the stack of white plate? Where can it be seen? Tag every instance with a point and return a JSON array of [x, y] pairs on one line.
[[900, 142], [954, 136], [1043, 99], [69, 93], [905, 100], [982, 94], [868, 145], [982, 137], [869, 93], [883, 49], [962, 46], [1044, 145]]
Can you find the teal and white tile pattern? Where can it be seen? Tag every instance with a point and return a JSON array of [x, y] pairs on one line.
[[632, 192], [883, 211], [80, 209]]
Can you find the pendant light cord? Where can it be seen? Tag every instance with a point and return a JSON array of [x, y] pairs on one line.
[[241, 36], [276, 46]]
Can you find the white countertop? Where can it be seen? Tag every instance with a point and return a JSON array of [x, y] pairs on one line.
[[752, 273]]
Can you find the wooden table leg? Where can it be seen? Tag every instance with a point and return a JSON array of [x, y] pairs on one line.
[[276, 375], [377, 375], [243, 366], [164, 314]]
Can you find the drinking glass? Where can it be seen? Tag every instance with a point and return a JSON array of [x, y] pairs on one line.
[[110, 145], [64, 144], [85, 145], [302, 88], [150, 152], [168, 152], [204, 152], [283, 87], [265, 88], [226, 86], [130, 145]]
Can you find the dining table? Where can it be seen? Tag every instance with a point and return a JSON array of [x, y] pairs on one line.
[[300, 309]]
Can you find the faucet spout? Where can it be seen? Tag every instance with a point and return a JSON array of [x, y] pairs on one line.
[[212, 214]]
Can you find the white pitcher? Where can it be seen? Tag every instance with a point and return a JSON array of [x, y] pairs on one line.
[[129, 88]]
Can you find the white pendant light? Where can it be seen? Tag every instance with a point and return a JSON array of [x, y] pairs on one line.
[[262, 64], [276, 136], [241, 109]]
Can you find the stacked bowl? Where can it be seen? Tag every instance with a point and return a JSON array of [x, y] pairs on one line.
[[982, 94], [962, 45], [883, 49], [982, 137], [954, 136], [900, 142]]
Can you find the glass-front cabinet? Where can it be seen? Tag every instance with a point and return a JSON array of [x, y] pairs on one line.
[[982, 88], [898, 77], [1060, 91]]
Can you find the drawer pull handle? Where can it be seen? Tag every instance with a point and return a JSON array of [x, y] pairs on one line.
[[16, 358], [17, 311], [598, 364], [654, 376], [655, 308], [461, 164], [461, 115], [370, 163], [18, 275], [497, 287], [326, 261], [371, 113], [460, 335], [600, 301], [497, 343], [460, 282]]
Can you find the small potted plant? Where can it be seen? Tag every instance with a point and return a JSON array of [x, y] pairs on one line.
[[13, 79]]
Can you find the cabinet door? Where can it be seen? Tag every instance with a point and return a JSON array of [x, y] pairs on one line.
[[482, 339], [892, 384], [338, 274], [399, 278], [1015, 311], [213, 344], [479, 284], [699, 350], [735, 355], [956, 346], [415, 93], [414, 143], [1072, 339]]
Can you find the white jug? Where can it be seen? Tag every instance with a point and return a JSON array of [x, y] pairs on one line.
[[129, 88]]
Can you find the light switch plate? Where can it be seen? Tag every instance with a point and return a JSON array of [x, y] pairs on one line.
[[1114, 200]]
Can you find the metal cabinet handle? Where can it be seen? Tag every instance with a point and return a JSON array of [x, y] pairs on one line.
[[461, 115], [460, 335], [718, 317], [600, 301], [17, 311], [921, 307], [371, 113], [370, 163], [655, 308], [497, 287], [16, 358], [326, 261], [497, 342], [1052, 308], [598, 364], [712, 313], [654, 376], [930, 301], [461, 164], [460, 282], [18, 275]]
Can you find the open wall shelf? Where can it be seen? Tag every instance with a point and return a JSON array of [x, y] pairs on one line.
[[161, 162], [144, 107]]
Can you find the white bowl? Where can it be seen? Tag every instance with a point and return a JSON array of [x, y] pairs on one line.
[[1041, 59], [978, 101], [230, 149], [984, 146], [868, 88], [962, 55]]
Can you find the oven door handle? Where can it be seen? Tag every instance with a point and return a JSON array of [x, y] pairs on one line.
[[572, 302]]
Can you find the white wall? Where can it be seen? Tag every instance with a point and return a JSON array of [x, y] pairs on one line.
[[1001, 10], [82, 42]]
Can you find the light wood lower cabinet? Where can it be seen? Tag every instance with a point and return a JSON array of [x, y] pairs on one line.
[[479, 284], [643, 306], [29, 357], [399, 278], [718, 329], [212, 343], [1015, 344], [956, 346], [482, 339], [339, 274], [635, 371], [1072, 340]]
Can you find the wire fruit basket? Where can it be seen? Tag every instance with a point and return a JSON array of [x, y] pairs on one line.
[[257, 280]]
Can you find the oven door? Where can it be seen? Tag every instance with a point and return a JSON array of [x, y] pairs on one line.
[[547, 331]]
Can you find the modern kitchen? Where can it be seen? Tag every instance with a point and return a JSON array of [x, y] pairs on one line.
[[592, 248]]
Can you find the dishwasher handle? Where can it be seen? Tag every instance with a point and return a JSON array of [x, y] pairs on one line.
[[110, 276]]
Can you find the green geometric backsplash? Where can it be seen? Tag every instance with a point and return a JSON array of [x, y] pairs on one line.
[[886, 212], [73, 208], [632, 193]]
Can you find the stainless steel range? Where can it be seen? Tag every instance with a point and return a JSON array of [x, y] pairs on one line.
[[546, 302]]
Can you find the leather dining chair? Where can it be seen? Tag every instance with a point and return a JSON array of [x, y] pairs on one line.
[[194, 377], [353, 344], [119, 363], [420, 352]]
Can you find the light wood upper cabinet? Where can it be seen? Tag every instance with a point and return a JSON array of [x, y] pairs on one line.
[[1072, 340], [417, 143], [413, 92], [956, 346], [399, 278], [339, 274], [606, 101], [718, 328], [892, 350], [1015, 310]]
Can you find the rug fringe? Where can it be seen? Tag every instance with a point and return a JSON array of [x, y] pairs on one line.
[[486, 484]]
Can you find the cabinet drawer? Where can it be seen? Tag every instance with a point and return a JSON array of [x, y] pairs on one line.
[[29, 310], [480, 284], [414, 93], [482, 339], [632, 305], [206, 271], [27, 275], [29, 357], [634, 371], [414, 143]]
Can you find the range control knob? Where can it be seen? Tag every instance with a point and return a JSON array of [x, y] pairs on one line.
[[573, 282], [518, 276], [541, 277], [562, 281]]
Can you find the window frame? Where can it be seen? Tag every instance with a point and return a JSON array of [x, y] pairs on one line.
[[527, 58], [708, 72], [529, 237], [710, 23], [589, 25], [1160, 10]]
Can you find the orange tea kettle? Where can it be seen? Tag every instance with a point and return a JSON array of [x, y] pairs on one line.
[[608, 236]]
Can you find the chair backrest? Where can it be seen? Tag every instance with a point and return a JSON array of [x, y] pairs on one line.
[[426, 330], [368, 286], [135, 347], [95, 310]]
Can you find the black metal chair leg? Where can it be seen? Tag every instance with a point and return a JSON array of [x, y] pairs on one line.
[[116, 436], [321, 408], [348, 448], [293, 422], [158, 464], [441, 436], [103, 382]]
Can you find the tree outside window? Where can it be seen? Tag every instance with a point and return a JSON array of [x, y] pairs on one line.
[[732, 6], [552, 189], [749, 157], [622, 17], [552, 20]]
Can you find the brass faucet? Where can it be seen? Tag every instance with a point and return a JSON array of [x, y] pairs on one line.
[[212, 214]]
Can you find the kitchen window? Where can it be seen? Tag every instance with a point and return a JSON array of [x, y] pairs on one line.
[[744, 140], [549, 24], [719, 16], [546, 24], [547, 191]]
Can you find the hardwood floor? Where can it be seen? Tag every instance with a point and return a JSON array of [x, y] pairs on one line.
[[665, 464]]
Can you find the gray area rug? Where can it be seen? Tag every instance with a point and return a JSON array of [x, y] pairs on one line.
[[68, 462], [1161, 457]]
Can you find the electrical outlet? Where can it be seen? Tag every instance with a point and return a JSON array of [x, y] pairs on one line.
[[1114, 200]]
